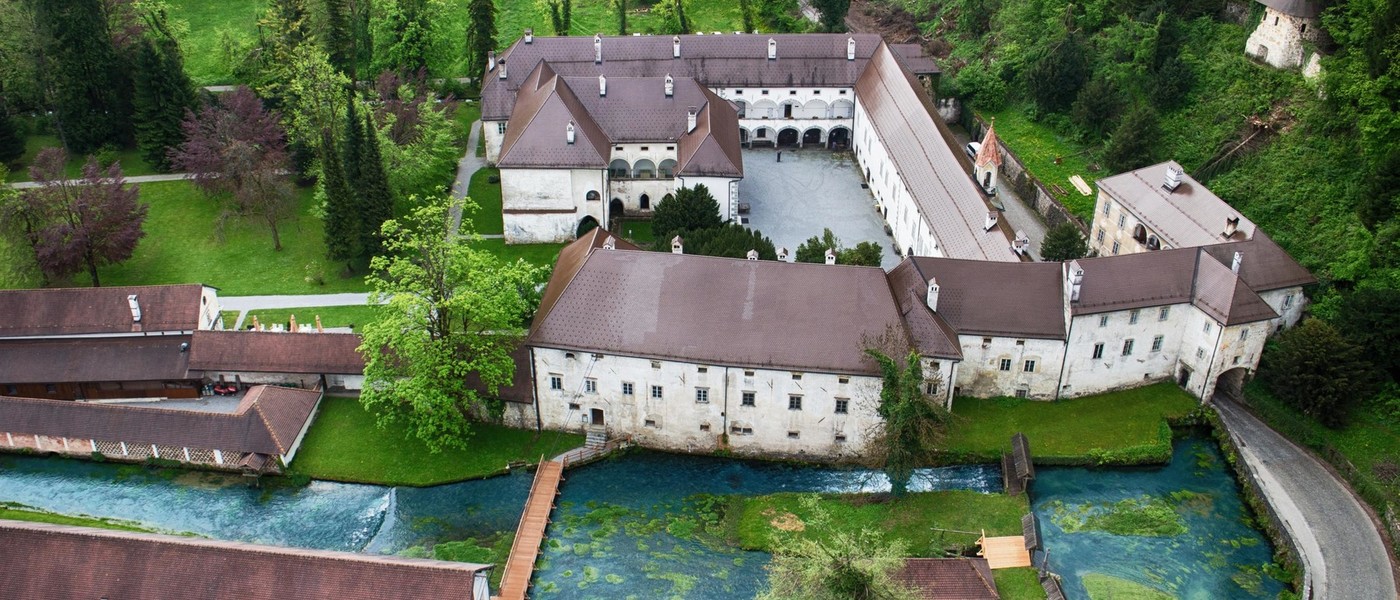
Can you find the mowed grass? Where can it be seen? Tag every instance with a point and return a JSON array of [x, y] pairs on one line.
[[1124, 427], [1018, 584], [354, 316], [131, 162], [209, 24], [1049, 155], [537, 254], [487, 219], [13, 512], [917, 519], [184, 243], [599, 16], [345, 443]]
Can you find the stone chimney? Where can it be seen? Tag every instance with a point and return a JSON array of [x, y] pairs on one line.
[[783, 254], [690, 114], [670, 86], [850, 48], [830, 256], [491, 60], [752, 255], [932, 297], [602, 86], [135, 308], [502, 71], [772, 49], [529, 35], [677, 247], [1172, 179], [1232, 224], [569, 132], [597, 48], [675, 46], [1022, 244], [610, 243], [1235, 263], [1076, 280], [991, 221]]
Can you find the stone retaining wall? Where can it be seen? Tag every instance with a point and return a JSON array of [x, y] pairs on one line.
[[1030, 189]]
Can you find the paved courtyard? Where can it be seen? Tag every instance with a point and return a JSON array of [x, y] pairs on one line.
[[811, 189]]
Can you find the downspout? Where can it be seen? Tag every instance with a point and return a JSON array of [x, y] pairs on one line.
[[724, 416], [535, 391], [1064, 358]]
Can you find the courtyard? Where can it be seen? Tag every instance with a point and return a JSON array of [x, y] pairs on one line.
[[811, 189]]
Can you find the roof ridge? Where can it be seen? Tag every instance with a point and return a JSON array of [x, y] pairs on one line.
[[256, 407]]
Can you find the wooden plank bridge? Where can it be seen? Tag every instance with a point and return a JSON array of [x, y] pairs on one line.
[[520, 566]]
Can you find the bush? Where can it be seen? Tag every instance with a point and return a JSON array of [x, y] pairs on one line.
[[977, 84], [1063, 242], [1134, 143], [1318, 371]]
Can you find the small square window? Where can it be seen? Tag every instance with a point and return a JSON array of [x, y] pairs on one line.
[[747, 399], [1244, 334], [843, 380], [627, 388], [656, 392], [590, 385], [1103, 321], [1133, 317], [792, 435], [931, 387], [556, 382], [748, 373], [1098, 351], [1200, 352], [573, 406], [1207, 327], [986, 342], [656, 364], [794, 402], [1163, 313], [1029, 367], [1005, 364], [702, 395], [1236, 360], [704, 427], [1157, 344], [1128, 347], [840, 438], [651, 423], [797, 377], [501, 127], [1022, 393], [702, 369], [843, 406]]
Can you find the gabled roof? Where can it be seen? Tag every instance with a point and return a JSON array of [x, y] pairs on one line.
[[1190, 215], [1265, 265], [637, 109], [267, 421], [991, 298], [637, 303], [929, 331], [989, 153], [77, 311], [1224, 296], [82, 360], [1166, 277], [277, 352], [1308, 9], [59, 561], [948, 201], [949, 578], [915, 59], [538, 137], [712, 149], [571, 259]]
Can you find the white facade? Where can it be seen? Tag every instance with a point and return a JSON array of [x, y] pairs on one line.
[[803, 116], [546, 205], [1116, 230], [1003, 366], [690, 407], [911, 231], [1279, 39]]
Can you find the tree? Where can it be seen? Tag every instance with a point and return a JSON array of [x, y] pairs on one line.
[[560, 15], [236, 147], [1171, 83], [376, 201], [312, 97], [836, 564], [80, 225], [341, 206], [1063, 242], [1134, 143], [681, 20], [340, 36], [621, 7], [689, 209], [162, 92], [730, 240], [746, 12], [1318, 371], [1367, 317], [866, 254], [11, 142], [416, 138], [451, 312], [407, 36], [1097, 107], [833, 13], [914, 423], [1056, 72], [481, 36], [814, 251], [283, 29], [90, 91]]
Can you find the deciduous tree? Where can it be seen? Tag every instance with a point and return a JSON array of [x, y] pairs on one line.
[[1368, 317], [452, 312], [408, 36], [1318, 371], [689, 209], [829, 562], [914, 422], [1063, 242], [79, 225], [813, 250]]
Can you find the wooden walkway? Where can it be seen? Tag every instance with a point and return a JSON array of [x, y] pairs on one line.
[[1005, 552], [520, 566]]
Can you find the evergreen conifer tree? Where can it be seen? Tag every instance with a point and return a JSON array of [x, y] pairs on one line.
[[11, 142], [342, 218], [377, 202], [162, 94], [89, 85], [353, 145], [340, 38], [481, 37]]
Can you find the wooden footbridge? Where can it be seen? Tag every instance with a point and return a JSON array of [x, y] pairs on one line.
[[520, 566]]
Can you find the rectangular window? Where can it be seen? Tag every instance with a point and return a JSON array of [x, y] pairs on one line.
[[1244, 334], [1288, 301], [1022, 393], [1157, 344], [1163, 313], [656, 364], [765, 92], [1098, 351], [931, 387], [645, 148], [1128, 347], [651, 423], [1133, 317], [656, 392], [702, 395], [590, 385], [1098, 235], [704, 427], [748, 399], [842, 406], [627, 388], [840, 438], [1207, 327], [1200, 352], [556, 382], [792, 92], [797, 377], [792, 435], [748, 373], [1103, 321], [843, 92], [573, 406], [1006, 364], [702, 369], [738, 91], [1236, 360], [1115, 248], [843, 380], [501, 128], [1107, 207], [794, 402], [1020, 342], [671, 148], [1029, 367], [1122, 221], [986, 342]]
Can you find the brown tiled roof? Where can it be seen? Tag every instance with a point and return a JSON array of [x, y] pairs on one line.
[[949, 578], [1224, 296], [1265, 265], [805, 60], [521, 388], [267, 421], [277, 352], [931, 334], [44, 561], [712, 149], [1191, 215], [992, 298], [537, 136], [947, 199], [72, 311], [915, 59], [80, 360], [755, 313], [1308, 9], [637, 109], [990, 153], [571, 259], [1164, 277]]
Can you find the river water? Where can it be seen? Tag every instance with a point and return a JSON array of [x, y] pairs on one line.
[[626, 526]]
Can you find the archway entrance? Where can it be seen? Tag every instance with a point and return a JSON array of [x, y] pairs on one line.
[[839, 139], [615, 212], [1231, 383], [812, 137], [586, 225], [787, 137]]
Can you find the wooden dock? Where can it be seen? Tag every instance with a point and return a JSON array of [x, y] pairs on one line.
[[1005, 552], [520, 566]]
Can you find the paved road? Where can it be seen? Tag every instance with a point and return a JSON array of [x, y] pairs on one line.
[[1016, 211], [132, 179], [469, 164], [1342, 549]]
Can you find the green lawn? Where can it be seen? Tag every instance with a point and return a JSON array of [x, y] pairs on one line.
[[16, 512], [353, 316], [345, 444], [487, 219], [1126, 427], [210, 24], [538, 254], [184, 244], [131, 162], [1018, 584], [1049, 155], [638, 231], [913, 518]]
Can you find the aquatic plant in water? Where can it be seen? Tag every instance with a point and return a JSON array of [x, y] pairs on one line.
[[1146, 516]]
